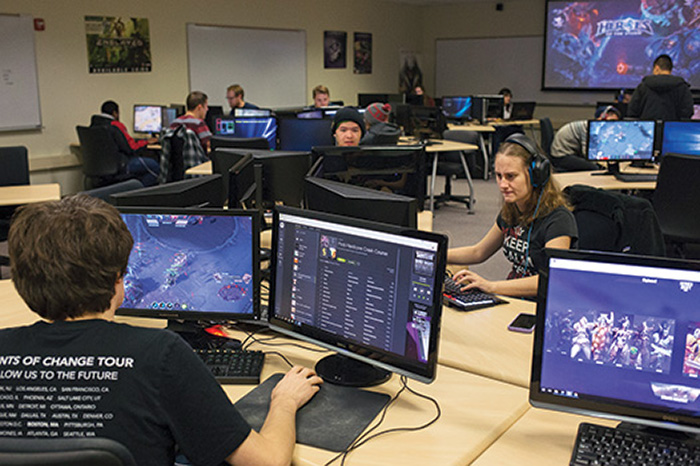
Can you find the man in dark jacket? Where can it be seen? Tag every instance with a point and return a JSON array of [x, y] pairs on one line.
[[661, 96], [379, 131]]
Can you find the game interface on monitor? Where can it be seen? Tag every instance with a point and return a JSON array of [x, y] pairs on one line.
[[189, 262], [147, 119], [621, 140]]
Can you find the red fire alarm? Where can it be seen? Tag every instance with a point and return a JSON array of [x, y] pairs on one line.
[[39, 24]]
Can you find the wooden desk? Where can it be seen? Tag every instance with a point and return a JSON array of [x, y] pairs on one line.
[[476, 410], [26, 194], [607, 182], [540, 437], [480, 342], [205, 168]]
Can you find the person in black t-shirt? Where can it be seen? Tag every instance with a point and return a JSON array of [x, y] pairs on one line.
[[534, 216], [77, 373]]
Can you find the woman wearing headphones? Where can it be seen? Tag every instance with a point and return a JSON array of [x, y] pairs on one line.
[[534, 216]]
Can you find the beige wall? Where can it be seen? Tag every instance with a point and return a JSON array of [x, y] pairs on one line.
[[69, 94]]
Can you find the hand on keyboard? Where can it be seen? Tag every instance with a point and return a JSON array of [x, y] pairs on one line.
[[473, 281]]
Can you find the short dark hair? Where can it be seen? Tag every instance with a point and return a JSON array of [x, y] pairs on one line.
[[196, 98], [109, 107], [664, 62], [67, 255], [505, 91]]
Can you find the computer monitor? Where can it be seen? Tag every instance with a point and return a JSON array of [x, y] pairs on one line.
[[204, 191], [248, 127], [148, 119], [192, 264], [357, 202], [179, 109], [696, 112], [369, 291], [681, 137], [486, 107], [241, 183], [168, 116], [612, 141], [252, 112], [214, 112], [522, 110], [616, 337], [457, 107], [303, 133], [397, 168]]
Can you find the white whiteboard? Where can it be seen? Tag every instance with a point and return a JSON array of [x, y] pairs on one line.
[[19, 86], [485, 65], [269, 64]]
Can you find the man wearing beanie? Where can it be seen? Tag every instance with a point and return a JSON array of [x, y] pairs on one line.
[[348, 127], [379, 131]]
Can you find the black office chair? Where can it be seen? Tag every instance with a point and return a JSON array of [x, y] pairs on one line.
[[15, 166], [64, 452], [616, 222], [238, 143], [450, 165], [546, 135], [102, 162], [172, 165], [105, 192], [677, 201]]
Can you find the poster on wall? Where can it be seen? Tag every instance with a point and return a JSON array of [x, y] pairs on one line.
[[363, 53], [334, 49], [118, 44], [410, 74]]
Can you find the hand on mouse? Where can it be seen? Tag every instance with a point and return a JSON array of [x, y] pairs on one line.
[[298, 385]]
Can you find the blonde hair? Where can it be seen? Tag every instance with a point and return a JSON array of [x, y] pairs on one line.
[[548, 196]]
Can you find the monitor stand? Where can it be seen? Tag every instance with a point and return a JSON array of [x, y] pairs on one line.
[[195, 334], [342, 370], [613, 168]]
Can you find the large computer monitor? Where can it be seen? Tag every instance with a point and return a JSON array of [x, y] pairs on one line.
[[148, 119], [355, 201], [612, 141], [457, 107], [192, 264], [168, 116], [617, 337], [369, 291], [204, 191], [681, 137], [303, 133], [248, 127]]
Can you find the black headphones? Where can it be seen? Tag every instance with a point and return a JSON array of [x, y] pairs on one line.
[[539, 166]]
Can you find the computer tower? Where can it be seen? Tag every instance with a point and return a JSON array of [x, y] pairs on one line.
[[487, 106]]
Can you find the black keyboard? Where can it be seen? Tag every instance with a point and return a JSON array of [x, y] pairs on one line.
[[467, 300], [607, 445], [632, 177], [233, 366]]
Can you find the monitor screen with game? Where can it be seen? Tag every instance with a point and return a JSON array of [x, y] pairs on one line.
[[681, 137], [604, 44], [614, 140], [192, 264], [618, 336], [369, 291], [355, 201], [457, 107], [148, 119], [248, 127]]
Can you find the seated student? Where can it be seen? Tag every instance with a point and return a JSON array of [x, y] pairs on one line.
[[348, 127], [502, 132], [534, 215], [234, 95], [322, 96], [197, 106], [146, 386], [145, 169], [568, 152], [507, 102], [379, 131]]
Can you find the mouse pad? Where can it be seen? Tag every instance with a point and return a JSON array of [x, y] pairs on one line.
[[333, 418]]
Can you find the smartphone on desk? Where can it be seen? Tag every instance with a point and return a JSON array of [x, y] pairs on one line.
[[524, 323]]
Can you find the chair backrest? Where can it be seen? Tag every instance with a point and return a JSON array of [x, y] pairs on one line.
[[64, 452], [105, 192], [101, 156], [546, 135], [15, 166], [239, 143], [677, 197]]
